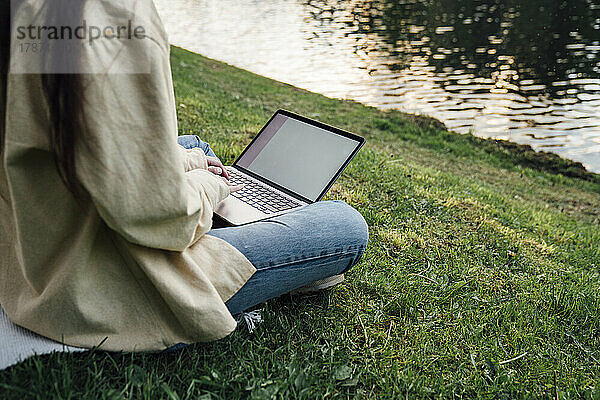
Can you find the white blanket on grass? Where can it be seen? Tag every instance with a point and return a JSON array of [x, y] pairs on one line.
[[17, 344]]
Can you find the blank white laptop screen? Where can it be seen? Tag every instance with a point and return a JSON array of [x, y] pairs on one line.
[[298, 156]]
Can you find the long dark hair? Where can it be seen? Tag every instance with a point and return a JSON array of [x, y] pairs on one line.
[[63, 91], [4, 54]]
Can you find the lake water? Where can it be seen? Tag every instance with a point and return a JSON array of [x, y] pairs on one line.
[[525, 71]]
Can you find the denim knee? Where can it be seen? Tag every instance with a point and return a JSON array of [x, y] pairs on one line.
[[191, 141], [188, 141], [351, 226]]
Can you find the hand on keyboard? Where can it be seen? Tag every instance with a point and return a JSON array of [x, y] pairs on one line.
[[232, 186], [216, 167]]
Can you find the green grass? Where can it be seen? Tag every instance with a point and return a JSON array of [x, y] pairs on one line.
[[481, 252]]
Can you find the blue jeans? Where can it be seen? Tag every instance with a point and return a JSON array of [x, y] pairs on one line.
[[294, 249], [189, 141]]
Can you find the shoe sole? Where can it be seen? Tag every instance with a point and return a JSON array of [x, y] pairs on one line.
[[319, 285]]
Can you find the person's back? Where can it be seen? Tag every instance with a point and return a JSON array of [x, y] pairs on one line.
[[83, 271], [106, 215]]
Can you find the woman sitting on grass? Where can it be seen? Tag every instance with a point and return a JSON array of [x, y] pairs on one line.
[[106, 215]]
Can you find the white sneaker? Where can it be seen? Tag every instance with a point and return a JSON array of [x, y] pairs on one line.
[[321, 284]]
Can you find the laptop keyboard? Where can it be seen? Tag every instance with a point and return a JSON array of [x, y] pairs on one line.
[[259, 197]]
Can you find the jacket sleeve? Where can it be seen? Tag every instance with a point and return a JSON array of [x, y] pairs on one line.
[[129, 160], [193, 158]]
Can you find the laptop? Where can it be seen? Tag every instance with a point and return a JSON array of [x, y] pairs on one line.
[[292, 162]]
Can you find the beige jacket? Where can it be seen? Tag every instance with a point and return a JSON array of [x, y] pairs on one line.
[[133, 266]]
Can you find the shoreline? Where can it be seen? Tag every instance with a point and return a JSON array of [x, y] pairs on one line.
[[524, 155], [527, 156]]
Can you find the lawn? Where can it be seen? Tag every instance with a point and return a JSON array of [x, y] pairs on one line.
[[481, 278]]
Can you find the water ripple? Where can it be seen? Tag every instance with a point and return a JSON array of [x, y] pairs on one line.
[[526, 72]]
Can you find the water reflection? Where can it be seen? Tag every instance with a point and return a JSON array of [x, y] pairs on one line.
[[525, 71]]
